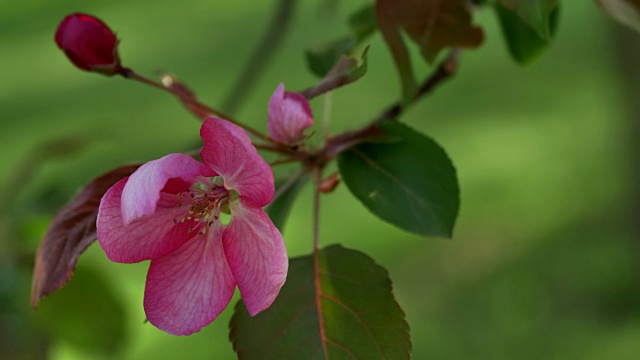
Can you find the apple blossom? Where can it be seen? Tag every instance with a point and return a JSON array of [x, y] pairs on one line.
[[169, 211], [289, 116]]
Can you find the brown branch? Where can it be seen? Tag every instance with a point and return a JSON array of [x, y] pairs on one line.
[[443, 72], [344, 141]]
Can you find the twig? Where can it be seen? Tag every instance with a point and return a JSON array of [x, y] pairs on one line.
[[344, 141], [443, 72]]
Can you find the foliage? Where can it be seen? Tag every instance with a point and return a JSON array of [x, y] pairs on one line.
[[401, 175]]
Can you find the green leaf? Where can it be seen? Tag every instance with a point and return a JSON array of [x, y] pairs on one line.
[[337, 304], [626, 12], [322, 57], [536, 13], [345, 71], [286, 192], [407, 180], [86, 313], [524, 44]]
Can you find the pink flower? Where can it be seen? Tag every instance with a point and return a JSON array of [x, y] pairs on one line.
[[289, 116], [169, 212], [89, 43]]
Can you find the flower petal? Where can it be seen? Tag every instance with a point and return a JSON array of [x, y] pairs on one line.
[[188, 288], [257, 256], [142, 192], [229, 152], [289, 116], [142, 239]]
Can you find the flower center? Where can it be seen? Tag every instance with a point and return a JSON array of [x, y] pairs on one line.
[[207, 198]]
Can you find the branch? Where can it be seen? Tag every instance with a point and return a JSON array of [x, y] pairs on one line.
[[443, 72], [345, 141]]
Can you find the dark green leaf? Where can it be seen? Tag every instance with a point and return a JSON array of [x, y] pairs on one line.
[[536, 13], [335, 305], [626, 12], [524, 44], [286, 192], [407, 180], [86, 313], [345, 71]]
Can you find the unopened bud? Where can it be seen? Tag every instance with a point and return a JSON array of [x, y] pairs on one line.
[[289, 116], [89, 44], [329, 183]]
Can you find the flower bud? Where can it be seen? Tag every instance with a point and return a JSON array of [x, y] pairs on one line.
[[89, 44], [289, 116]]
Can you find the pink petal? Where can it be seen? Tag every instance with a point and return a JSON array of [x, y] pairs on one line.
[[257, 256], [229, 152], [289, 116], [142, 192], [144, 238], [188, 288]]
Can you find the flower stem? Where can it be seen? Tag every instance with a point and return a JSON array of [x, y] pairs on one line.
[[317, 178], [326, 114]]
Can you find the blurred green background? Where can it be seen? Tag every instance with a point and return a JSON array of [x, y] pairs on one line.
[[544, 261]]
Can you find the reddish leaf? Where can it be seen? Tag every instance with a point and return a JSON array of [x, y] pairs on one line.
[[626, 12], [433, 24], [72, 230]]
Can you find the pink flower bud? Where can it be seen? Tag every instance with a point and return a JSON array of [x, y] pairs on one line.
[[289, 116], [89, 44]]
